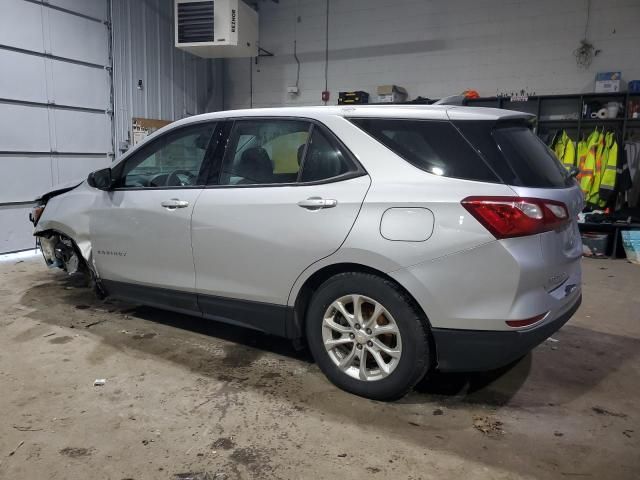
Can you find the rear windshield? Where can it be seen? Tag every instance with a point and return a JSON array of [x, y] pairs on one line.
[[434, 146], [516, 154]]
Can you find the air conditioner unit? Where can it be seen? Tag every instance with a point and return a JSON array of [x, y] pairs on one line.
[[216, 28]]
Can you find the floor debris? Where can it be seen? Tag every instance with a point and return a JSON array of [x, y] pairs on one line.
[[12, 453], [488, 426], [26, 429], [224, 443], [197, 476], [99, 382], [604, 411], [95, 323], [76, 452]]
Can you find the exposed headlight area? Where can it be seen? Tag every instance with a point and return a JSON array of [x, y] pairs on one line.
[[36, 213]]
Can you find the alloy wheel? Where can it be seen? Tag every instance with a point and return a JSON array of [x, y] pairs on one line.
[[361, 337]]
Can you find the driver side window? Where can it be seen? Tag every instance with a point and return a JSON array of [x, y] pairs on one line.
[[173, 160]]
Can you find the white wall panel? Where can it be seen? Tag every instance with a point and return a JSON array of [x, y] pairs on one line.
[[24, 128], [82, 132], [79, 85], [52, 67], [434, 48], [90, 8], [21, 76], [72, 168], [78, 38], [25, 177], [15, 229], [21, 25]]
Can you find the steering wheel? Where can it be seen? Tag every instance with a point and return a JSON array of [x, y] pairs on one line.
[[173, 180]]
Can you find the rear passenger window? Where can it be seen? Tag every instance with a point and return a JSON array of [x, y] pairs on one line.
[[264, 152], [323, 159], [433, 146]]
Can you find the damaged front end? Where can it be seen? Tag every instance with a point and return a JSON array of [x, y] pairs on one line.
[[61, 220], [59, 251]]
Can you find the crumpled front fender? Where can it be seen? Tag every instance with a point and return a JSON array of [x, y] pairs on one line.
[[69, 214]]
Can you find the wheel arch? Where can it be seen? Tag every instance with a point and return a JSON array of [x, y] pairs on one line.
[[296, 324]]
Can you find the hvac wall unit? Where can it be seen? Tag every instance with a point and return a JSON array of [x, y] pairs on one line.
[[216, 28]]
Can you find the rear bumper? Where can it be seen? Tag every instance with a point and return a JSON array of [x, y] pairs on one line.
[[481, 350]]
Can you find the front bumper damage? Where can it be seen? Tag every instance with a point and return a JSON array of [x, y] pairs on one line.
[[59, 251]]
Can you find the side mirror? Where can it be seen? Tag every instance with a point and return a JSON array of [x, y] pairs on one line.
[[101, 179]]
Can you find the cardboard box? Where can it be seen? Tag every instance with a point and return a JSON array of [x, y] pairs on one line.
[[391, 94], [608, 82]]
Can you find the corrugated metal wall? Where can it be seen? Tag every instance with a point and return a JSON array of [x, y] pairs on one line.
[[175, 84], [55, 103]]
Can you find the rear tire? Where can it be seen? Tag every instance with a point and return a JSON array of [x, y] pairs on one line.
[[355, 316]]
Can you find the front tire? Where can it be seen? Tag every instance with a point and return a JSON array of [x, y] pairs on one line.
[[367, 337]]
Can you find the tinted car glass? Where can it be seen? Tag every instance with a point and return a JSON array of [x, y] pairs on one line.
[[516, 154], [433, 146], [531, 160], [264, 152], [323, 159], [173, 160]]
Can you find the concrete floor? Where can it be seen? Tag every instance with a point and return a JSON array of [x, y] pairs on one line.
[[185, 396]]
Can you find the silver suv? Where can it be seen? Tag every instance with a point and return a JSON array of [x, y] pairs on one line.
[[393, 239]]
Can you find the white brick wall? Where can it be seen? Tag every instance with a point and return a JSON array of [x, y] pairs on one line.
[[434, 48]]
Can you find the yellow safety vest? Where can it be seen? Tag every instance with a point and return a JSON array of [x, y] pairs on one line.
[[601, 153], [586, 171], [582, 154], [565, 151], [609, 171]]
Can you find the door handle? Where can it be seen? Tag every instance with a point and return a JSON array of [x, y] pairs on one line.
[[174, 203], [316, 203]]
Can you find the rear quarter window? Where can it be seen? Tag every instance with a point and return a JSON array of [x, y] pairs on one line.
[[433, 146], [516, 154]]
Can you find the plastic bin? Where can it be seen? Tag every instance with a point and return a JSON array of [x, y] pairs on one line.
[[594, 244], [631, 244]]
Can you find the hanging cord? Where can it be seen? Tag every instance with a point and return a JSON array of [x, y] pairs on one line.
[[250, 82], [586, 51], [295, 45], [326, 53]]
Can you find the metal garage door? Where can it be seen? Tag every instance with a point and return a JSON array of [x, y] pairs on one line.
[[55, 103]]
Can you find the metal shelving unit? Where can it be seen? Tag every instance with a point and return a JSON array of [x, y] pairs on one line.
[[570, 104]]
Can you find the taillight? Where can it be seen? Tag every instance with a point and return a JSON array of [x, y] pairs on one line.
[[507, 217]]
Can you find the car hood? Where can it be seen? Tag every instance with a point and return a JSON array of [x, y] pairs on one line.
[[59, 190]]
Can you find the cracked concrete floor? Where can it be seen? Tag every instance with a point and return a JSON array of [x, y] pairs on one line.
[[187, 398]]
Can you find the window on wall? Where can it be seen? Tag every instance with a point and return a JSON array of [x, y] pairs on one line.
[[264, 152], [173, 160]]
